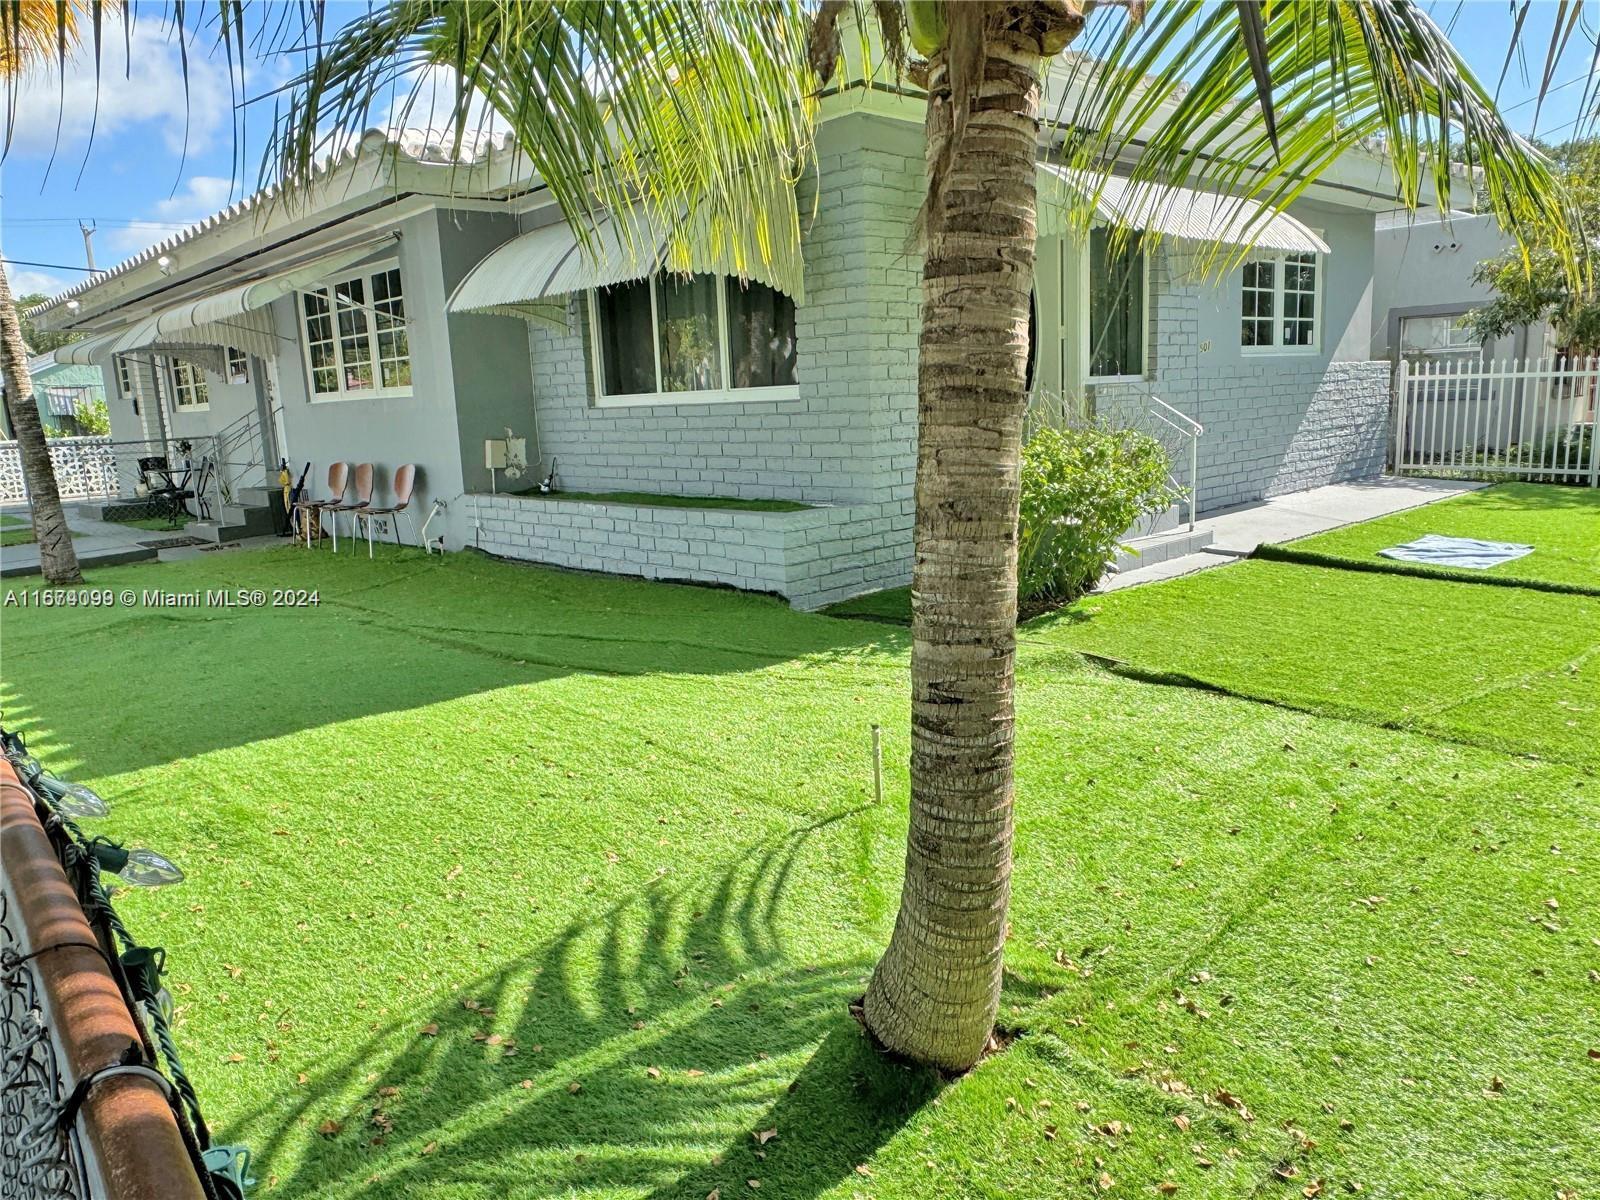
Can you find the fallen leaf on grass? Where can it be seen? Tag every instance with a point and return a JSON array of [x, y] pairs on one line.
[[1105, 1181], [430, 1147], [574, 1087], [1228, 1100], [329, 1127], [764, 1136], [653, 1072], [431, 1029], [1166, 1187]]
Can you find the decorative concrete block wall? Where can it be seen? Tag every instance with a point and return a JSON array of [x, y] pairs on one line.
[[809, 556]]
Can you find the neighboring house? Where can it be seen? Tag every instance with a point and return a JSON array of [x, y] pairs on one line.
[[61, 391], [1423, 286], [408, 308]]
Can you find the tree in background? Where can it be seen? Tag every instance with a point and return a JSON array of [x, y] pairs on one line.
[[34, 32], [1535, 287], [41, 341]]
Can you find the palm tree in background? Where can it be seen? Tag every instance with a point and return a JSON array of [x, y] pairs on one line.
[[701, 114], [32, 34]]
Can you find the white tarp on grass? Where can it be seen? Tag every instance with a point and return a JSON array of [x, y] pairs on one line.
[[1472, 554]]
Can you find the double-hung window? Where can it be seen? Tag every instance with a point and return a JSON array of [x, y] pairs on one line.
[[1281, 303], [1116, 307], [356, 341], [691, 339], [188, 386], [238, 365]]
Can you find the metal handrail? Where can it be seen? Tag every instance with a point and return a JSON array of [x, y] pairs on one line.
[[1184, 426]]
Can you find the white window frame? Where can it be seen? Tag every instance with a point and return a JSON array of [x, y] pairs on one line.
[[1279, 259], [125, 388], [197, 385], [1086, 325], [1470, 344], [726, 394], [237, 363], [365, 274]]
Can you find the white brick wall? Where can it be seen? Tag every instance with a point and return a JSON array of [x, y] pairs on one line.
[[810, 556], [1273, 424]]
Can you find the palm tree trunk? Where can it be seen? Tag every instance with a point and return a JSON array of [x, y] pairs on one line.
[[57, 559], [934, 995]]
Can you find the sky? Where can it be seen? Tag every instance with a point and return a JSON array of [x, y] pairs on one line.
[[161, 158]]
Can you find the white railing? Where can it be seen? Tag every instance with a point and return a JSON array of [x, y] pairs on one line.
[[85, 467], [1505, 419], [1189, 431]]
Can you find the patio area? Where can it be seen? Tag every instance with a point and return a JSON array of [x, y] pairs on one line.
[[508, 880]]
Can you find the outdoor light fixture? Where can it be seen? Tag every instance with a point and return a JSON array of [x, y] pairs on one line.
[[73, 799], [138, 867], [73, 305], [165, 263]]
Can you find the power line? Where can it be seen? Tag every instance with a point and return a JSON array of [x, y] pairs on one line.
[[27, 262]]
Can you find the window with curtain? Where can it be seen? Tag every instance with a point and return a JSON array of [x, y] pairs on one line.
[[1116, 305], [356, 341], [709, 334]]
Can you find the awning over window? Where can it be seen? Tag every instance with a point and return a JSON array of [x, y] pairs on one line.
[[90, 352], [528, 276], [236, 317], [1172, 211]]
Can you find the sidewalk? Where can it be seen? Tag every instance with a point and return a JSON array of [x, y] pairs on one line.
[[1236, 532]]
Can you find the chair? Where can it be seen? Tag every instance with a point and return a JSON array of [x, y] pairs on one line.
[[166, 495], [405, 482], [362, 499], [338, 479]]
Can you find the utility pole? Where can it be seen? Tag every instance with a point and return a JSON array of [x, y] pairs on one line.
[[88, 245]]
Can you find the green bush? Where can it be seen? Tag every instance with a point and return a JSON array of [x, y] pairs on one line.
[[1082, 489]]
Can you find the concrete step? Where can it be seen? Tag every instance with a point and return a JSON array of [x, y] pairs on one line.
[[254, 497], [222, 531], [1159, 547]]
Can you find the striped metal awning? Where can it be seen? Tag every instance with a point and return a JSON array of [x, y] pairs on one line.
[[530, 275], [237, 316], [90, 352], [1178, 212]]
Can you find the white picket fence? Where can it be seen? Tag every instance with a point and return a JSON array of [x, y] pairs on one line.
[[86, 468], [1505, 419]]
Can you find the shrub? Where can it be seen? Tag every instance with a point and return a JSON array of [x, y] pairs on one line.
[[1082, 489]]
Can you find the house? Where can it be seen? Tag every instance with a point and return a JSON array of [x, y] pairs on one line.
[[413, 305], [1423, 286], [63, 392]]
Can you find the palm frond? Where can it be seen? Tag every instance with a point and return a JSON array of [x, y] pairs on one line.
[[698, 113], [1179, 99]]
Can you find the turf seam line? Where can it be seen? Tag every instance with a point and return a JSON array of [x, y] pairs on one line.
[[1179, 679], [1277, 552]]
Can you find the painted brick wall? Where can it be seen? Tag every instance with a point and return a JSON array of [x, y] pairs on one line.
[[811, 557], [1272, 424], [850, 438]]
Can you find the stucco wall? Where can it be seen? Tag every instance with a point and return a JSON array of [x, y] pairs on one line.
[[391, 430]]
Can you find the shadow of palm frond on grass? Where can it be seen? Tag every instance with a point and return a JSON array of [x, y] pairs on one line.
[[645, 1050]]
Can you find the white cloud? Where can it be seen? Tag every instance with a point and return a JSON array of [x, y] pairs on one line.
[[200, 196], [140, 84], [25, 282]]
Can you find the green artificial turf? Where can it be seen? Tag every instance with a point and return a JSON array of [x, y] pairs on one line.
[[1562, 524], [891, 605], [634, 821], [1509, 668], [14, 532], [655, 500]]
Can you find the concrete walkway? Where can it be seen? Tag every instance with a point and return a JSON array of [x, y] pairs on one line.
[[98, 543], [1236, 532]]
